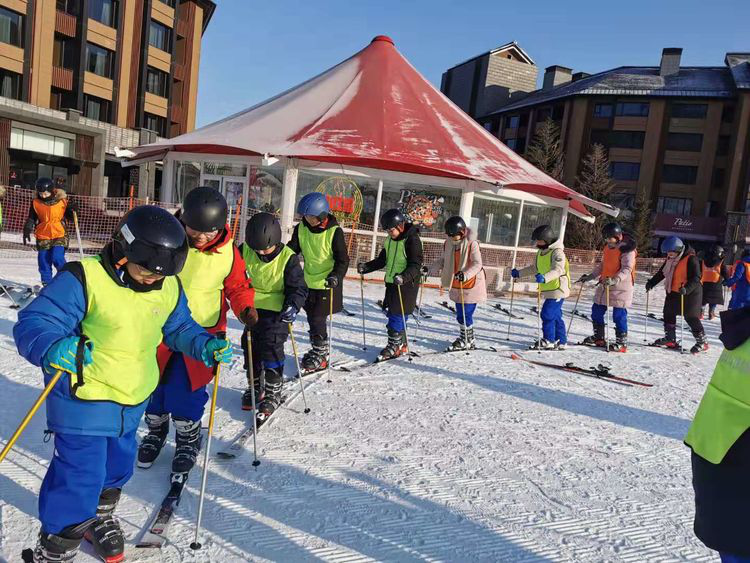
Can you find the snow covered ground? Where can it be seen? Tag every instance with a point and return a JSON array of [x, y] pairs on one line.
[[447, 457]]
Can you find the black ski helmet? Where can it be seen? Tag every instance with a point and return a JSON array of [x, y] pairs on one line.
[[716, 251], [612, 230], [44, 185], [204, 209], [262, 231], [454, 226], [545, 233], [672, 244], [152, 238], [392, 219]]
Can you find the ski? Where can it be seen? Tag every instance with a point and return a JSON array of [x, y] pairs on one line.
[[600, 372], [506, 311], [420, 313], [334, 365], [577, 313], [347, 312], [653, 316], [677, 348], [447, 306], [155, 536], [604, 371]]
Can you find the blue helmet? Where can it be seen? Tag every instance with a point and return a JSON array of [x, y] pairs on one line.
[[315, 204], [672, 244]]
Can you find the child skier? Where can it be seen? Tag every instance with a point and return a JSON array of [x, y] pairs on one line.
[[280, 293], [616, 275], [713, 272], [740, 282], [401, 256], [100, 321], [681, 273], [214, 273], [47, 213], [320, 240], [552, 272], [720, 442], [461, 271]]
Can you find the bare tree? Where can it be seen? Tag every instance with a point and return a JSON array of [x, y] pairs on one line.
[[639, 223], [596, 183], [545, 151]]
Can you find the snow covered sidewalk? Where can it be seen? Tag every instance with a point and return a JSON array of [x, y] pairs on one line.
[[447, 457]]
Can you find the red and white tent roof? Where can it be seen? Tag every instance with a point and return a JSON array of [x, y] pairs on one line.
[[373, 110]]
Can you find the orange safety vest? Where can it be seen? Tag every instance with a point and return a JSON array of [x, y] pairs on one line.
[[611, 263], [467, 284], [50, 217], [710, 274], [679, 278]]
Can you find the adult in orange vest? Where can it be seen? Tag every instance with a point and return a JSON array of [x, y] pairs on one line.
[[740, 279], [681, 274], [47, 212], [713, 272], [616, 271]]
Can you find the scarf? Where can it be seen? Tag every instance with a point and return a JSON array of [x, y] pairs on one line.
[[446, 276]]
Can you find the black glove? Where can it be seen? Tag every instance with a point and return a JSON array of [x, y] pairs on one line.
[[585, 278], [460, 276], [650, 285], [682, 290], [398, 280], [425, 270], [27, 229], [361, 268], [332, 281], [249, 317], [72, 206], [289, 314]]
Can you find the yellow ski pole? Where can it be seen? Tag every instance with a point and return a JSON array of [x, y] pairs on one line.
[[403, 317], [539, 319]]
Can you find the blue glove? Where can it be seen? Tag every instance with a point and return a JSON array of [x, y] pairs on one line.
[[515, 274], [289, 314], [62, 355], [726, 283], [216, 351], [539, 278]]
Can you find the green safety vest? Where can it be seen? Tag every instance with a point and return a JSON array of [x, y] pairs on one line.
[[125, 327], [203, 278], [395, 258], [544, 265], [724, 412], [267, 277], [317, 250]]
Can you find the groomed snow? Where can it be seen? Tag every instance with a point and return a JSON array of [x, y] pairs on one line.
[[447, 457]]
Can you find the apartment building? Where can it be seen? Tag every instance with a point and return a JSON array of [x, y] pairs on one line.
[[677, 133], [79, 77]]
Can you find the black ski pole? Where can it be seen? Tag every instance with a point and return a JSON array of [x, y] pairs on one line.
[[330, 331], [15, 305], [510, 313], [645, 325], [362, 295], [575, 308], [419, 307], [299, 371], [403, 317], [249, 360]]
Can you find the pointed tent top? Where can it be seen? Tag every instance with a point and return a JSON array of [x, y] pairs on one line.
[[373, 110]]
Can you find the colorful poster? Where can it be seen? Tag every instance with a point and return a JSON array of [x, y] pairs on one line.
[[420, 207]]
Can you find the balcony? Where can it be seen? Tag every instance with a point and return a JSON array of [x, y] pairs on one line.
[[62, 78], [65, 24]]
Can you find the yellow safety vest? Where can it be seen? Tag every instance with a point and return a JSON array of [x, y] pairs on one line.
[[267, 277], [125, 327], [724, 412], [317, 250], [203, 281], [544, 265]]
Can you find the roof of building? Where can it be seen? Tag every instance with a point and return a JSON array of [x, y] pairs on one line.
[[705, 82], [373, 110], [512, 45]]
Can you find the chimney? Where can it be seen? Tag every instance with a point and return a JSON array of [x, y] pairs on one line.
[[580, 75], [670, 61], [556, 75]]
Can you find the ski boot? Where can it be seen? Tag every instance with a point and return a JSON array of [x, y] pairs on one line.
[[57, 548], [396, 346], [620, 344], [105, 534], [596, 339], [544, 344], [316, 358], [560, 346], [187, 444], [701, 343], [153, 442], [465, 340], [274, 383], [712, 313], [247, 396], [669, 340]]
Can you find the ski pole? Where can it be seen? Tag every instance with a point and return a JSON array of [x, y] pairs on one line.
[[463, 315], [512, 294], [299, 371], [15, 305], [251, 368], [645, 325], [30, 414], [682, 323], [78, 234], [362, 295], [330, 331], [403, 317], [539, 319], [419, 307], [575, 308], [606, 292]]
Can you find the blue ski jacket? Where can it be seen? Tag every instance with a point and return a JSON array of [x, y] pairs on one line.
[[741, 294]]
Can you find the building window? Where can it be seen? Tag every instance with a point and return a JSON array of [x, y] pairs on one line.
[[518, 145], [11, 27], [71, 7], [632, 109], [689, 111], [727, 113], [717, 178], [674, 205], [96, 108], [497, 220], [169, 3], [625, 171], [160, 36], [626, 139], [63, 54], [603, 110], [104, 11], [39, 142], [685, 142], [155, 123], [10, 84], [156, 82], [676, 174], [514, 122], [722, 146], [99, 60]]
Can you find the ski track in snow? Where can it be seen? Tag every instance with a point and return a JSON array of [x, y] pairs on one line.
[[445, 458]]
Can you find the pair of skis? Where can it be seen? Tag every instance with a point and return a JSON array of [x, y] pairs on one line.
[[600, 372], [155, 536]]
